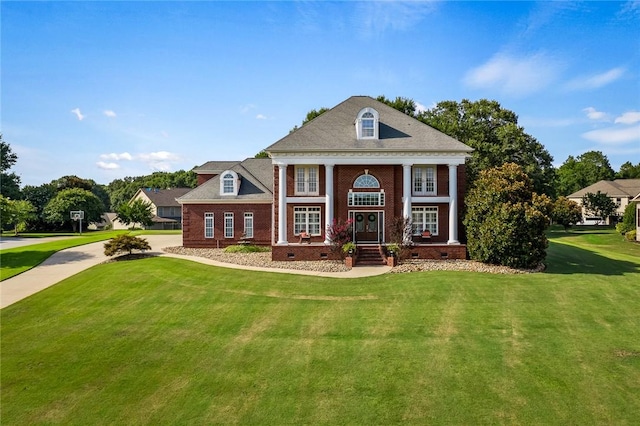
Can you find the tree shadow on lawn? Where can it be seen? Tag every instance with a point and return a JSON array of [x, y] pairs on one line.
[[569, 259]]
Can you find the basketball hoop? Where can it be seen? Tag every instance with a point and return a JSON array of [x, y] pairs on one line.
[[78, 215]]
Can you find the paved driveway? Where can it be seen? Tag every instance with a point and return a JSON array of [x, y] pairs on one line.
[[11, 242], [64, 264]]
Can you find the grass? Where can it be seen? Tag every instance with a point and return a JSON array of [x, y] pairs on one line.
[[19, 259], [176, 342]]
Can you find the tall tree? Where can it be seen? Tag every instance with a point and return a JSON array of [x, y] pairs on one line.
[[405, 105], [582, 171], [9, 182], [38, 196], [629, 171], [16, 213], [57, 211], [138, 211], [494, 134]]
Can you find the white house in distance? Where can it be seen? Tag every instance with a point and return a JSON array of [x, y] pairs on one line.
[[636, 199], [621, 191]]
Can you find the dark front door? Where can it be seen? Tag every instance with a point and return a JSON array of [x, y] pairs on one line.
[[367, 226]]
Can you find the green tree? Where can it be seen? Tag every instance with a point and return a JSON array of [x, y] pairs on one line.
[[504, 221], [310, 116], [137, 211], [628, 222], [262, 154], [566, 212], [16, 213], [582, 171], [58, 209], [122, 190], [598, 204], [629, 171], [405, 105], [494, 134], [9, 182]]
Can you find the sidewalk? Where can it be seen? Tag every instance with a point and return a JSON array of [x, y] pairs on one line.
[[66, 263]]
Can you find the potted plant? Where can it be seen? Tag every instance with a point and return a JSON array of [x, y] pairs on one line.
[[349, 248]]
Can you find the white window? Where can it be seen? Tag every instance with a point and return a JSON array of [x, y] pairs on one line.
[[248, 225], [229, 183], [366, 181], [424, 180], [365, 199], [367, 124], [208, 225], [424, 219], [228, 225], [306, 219], [306, 180]]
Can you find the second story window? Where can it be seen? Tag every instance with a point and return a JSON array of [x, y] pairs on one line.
[[424, 180], [306, 180], [367, 124]]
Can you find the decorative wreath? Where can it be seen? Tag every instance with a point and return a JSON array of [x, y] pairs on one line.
[[372, 217], [359, 218]]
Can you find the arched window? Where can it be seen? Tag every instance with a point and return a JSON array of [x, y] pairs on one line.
[[229, 183], [367, 124], [366, 181]]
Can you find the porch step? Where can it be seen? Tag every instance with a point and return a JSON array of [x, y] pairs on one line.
[[369, 256]]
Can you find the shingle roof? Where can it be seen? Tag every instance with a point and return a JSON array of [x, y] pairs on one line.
[[165, 197], [215, 167], [256, 183], [335, 131], [613, 188]]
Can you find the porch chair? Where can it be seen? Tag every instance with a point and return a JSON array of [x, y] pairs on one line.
[[426, 236], [305, 237]]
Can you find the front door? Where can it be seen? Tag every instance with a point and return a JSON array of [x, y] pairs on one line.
[[367, 227]]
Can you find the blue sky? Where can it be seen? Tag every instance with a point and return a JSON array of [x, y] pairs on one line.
[[104, 90]]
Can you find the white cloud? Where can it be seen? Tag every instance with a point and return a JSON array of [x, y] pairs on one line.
[[160, 160], [109, 113], [629, 117], [78, 114], [614, 135], [420, 108], [376, 17], [595, 115], [596, 81], [107, 166], [246, 108], [261, 117], [116, 157], [516, 76]]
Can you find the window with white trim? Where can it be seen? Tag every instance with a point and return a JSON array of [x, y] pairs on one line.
[[424, 180], [366, 181], [365, 199], [228, 225], [208, 225], [248, 225], [424, 219], [306, 180], [229, 183], [306, 219], [367, 124]]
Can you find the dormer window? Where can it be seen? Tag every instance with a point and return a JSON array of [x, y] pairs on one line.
[[367, 124], [229, 183]]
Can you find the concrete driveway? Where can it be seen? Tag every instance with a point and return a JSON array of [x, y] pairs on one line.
[[64, 264]]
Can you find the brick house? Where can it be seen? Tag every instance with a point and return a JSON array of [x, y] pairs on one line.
[[361, 160]]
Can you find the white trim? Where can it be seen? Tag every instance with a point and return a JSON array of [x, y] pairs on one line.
[[225, 201], [226, 216], [376, 124], [235, 181], [383, 158], [320, 199], [420, 200]]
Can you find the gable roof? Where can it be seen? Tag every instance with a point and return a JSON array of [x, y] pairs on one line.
[[163, 197], [334, 131], [613, 188], [256, 184]]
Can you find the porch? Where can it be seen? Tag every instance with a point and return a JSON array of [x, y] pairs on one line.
[[322, 251]]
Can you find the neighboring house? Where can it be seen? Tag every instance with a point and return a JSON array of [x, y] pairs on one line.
[[636, 199], [167, 212], [361, 160], [621, 191]]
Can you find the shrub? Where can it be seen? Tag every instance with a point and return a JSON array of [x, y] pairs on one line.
[[125, 244], [505, 220], [631, 235], [347, 247], [566, 212], [339, 233], [628, 219], [246, 248]]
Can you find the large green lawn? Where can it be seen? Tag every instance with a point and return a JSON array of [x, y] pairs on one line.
[[165, 341]]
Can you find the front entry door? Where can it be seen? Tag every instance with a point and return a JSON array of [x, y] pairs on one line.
[[367, 226]]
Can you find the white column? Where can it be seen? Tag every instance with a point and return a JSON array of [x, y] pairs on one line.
[[282, 204], [406, 191], [328, 204], [453, 204]]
